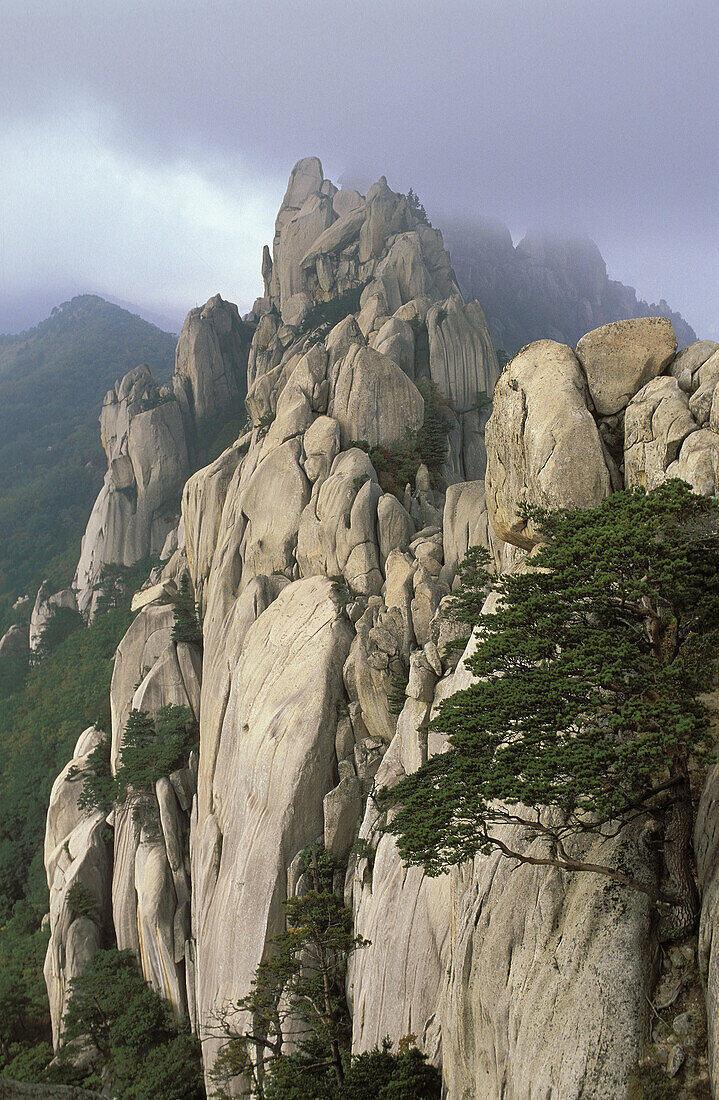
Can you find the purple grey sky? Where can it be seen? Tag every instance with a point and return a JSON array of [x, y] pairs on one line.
[[145, 146]]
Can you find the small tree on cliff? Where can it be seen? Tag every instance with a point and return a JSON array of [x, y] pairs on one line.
[[298, 988], [297, 1043], [186, 626], [586, 712]]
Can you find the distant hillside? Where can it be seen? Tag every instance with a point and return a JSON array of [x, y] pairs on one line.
[[52, 382], [545, 288]]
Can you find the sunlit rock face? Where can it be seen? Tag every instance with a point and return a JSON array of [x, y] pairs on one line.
[[78, 865], [543, 445]]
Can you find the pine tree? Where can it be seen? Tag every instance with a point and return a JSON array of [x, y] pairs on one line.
[[186, 627], [298, 987], [586, 709]]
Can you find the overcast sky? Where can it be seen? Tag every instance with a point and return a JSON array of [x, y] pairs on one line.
[[145, 146]]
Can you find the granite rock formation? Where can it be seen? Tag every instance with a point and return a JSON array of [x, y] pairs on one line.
[[319, 591]]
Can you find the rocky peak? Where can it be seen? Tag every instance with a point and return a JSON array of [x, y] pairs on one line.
[[328, 241], [211, 360], [144, 439]]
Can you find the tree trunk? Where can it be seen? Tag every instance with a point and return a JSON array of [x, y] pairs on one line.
[[678, 854]]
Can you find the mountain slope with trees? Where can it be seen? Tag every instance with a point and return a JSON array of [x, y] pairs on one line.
[[52, 382]]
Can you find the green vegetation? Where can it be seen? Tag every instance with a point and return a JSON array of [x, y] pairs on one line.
[[397, 694], [322, 317], [40, 722], [186, 626], [80, 902], [60, 625], [466, 602], [299, 993], [397, 464], [301, 982], [142, 1053], [587, 708], [52, 382], [417, 208], [153, 746]]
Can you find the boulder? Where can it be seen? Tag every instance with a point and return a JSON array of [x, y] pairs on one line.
[[688, 361], [395, 527], [164, 592], [14, 642], [656, 423], [698, 462], [373, 399], [621, 357], [396, 340], [543, 446], [338, 528], [321, 445]]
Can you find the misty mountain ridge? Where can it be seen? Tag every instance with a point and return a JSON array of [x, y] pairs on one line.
[[548, 286]]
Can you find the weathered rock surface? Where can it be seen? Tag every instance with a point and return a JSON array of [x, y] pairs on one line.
[[496, 996], [144, 440], [211, 360], [373, 399], [698, 462], [47, 603], [14, 641], [151, 877], [77, 855], [551, 999], [543, 446], [463, 365], [656, 423], [337, 533], [687, 363], [273, 765], [621, 357]]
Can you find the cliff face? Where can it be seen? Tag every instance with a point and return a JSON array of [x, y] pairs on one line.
[[545, 287], [317, 589]]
